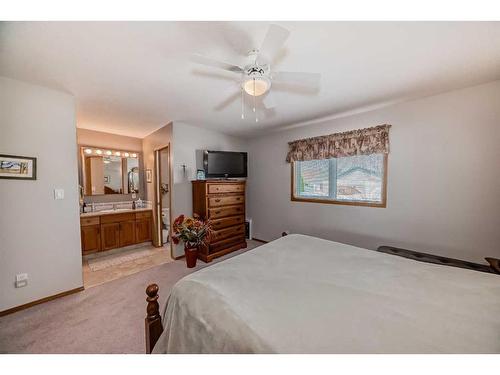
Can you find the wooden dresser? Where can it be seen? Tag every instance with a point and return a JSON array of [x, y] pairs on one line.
[[106, 231], [223, 202]]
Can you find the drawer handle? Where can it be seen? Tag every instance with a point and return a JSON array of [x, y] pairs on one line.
[[217, 200], [216, 212]]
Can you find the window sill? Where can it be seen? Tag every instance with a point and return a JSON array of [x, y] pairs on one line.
[[345, 203]]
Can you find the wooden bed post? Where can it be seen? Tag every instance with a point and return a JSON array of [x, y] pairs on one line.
[[153, 325]]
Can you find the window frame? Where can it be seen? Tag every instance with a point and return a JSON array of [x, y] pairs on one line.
[[382, 204]]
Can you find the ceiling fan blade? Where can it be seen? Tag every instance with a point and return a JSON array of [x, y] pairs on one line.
[[236, 38], [269, 100], [310, 80], [202, 60], [232, 94], [273, 42]]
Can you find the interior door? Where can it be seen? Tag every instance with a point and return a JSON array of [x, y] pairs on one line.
[[165, 194], [163, 187]]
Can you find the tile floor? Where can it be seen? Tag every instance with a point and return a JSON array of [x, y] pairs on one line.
[[158, 256]]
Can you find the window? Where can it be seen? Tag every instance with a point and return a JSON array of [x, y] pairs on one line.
[[355, 180]]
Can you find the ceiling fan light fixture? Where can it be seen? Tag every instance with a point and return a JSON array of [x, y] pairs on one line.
[[256, 86]]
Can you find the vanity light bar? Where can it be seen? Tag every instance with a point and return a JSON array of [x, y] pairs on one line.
[[89, 151]]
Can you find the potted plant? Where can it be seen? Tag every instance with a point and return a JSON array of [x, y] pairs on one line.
[[194, 232]]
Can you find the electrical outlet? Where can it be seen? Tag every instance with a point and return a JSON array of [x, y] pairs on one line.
[[21, 280]]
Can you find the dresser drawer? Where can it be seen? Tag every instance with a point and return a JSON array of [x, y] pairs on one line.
[[228, 232], [116, 218], [214, 213], [216, 246], [143, 215], [226, 201], [225, 188], [85, 221], [218, 224]]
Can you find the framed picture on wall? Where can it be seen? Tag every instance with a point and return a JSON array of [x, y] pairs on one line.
[[149, 176], [17, 167]]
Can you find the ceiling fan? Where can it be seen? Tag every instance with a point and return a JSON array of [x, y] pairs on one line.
[[256, 77]]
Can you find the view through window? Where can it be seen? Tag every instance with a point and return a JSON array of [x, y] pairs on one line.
[[349, 179]]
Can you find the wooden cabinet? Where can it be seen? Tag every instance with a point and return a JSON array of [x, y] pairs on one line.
[[143, 229], [91, 238], [111, 231], [110, 236], [127, 233], [223, 202]]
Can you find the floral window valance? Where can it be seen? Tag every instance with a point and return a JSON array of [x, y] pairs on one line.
[[356, 142]]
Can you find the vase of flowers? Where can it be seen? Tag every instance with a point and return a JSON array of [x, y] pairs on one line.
[[194, 232]]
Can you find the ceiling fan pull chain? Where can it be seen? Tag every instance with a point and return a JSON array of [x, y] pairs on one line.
[[254, 95], [242, 104], [254, 99]]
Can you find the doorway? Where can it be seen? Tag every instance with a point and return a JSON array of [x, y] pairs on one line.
[[163, 201]]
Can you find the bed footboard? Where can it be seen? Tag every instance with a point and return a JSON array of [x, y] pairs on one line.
[[437, 259], [153, 325]]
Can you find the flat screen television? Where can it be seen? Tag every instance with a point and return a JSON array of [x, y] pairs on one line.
[[224, 164]]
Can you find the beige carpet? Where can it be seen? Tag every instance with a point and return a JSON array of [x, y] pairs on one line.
[[108, 318]]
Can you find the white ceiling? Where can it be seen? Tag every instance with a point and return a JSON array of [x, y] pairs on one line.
[[131, 78]]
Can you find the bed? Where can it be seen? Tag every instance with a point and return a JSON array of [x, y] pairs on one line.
[[301, 294]]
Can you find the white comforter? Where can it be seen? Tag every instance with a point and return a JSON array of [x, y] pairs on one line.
[[301, 294]]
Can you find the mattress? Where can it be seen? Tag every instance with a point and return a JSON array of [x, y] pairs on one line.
[[301, 294]]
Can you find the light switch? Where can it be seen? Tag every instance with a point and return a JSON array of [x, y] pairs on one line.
[[21, 280], [58, 193]]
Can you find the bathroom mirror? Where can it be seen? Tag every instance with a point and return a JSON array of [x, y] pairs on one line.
[[109, 172], [132, 175]]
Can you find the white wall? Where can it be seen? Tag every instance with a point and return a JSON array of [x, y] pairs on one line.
[[87, 137], [443, 179], [38, 235], [186, 140]]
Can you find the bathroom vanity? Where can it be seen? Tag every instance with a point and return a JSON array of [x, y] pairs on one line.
[[112, 177], [106, 230]]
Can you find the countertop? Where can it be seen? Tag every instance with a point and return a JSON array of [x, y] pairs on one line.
[[113, 212]]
